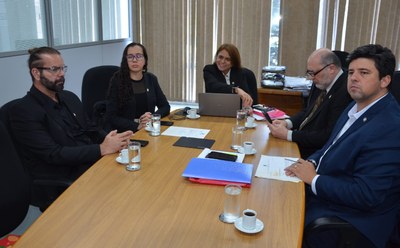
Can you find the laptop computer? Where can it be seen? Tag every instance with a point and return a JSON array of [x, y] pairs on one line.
[[218, 104]]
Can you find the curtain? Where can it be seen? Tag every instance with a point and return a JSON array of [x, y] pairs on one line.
[[182, 36]]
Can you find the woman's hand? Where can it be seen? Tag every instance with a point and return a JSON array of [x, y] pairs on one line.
[[247, 101]]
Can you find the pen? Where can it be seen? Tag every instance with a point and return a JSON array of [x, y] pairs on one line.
[[291, 160]]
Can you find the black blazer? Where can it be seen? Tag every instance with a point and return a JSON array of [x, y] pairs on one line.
[[317, 131], [46, 145], [122, 118], [215, 81]]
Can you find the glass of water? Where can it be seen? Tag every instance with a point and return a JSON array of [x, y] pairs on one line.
[[231, 204], [134, 156], [155, 123], [241, 118]]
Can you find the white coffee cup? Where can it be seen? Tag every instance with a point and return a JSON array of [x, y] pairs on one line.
[[249, 219], [250, 121], [124, 155], [248, 147], [192, 113]]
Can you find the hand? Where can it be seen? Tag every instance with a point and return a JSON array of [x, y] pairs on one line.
[[302, 169], [278, 129], [280, 123], [247, 101], [115, 142], [144, 119]]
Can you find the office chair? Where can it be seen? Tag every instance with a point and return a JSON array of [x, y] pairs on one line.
[[252, 83], [14, 185], [342, 55], [94, 90], [56, 184], [395, 86]]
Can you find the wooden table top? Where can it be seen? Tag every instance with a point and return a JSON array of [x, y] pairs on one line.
[[156, 207]]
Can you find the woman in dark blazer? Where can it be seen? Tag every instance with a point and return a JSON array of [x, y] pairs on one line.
[[226, 75], [134, 93]]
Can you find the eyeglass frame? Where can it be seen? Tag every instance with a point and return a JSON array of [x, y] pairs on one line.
[[137, 56], [311, 74], [54, 69]]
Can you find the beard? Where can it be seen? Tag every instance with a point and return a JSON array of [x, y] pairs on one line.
[[56, 86]]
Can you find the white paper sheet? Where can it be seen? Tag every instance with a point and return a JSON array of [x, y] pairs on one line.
[[272, 167], [186, 132]]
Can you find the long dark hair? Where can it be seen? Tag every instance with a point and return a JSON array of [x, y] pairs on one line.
[[123, 75]]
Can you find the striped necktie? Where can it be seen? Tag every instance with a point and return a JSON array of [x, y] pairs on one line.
[[317, 103]]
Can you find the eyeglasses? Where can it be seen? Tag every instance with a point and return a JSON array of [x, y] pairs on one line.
[[311, 74], [137, 56], [54, 69]]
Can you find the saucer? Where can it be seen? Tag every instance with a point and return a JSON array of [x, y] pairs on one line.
[[241, 150], [119, 160], [259, 226], [193, 118], [251, 126], [148, 129]]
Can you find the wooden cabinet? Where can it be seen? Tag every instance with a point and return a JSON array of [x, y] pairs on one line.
[[290, 102]]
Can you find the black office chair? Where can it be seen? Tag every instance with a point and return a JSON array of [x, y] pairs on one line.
[[395, 86], [55, 184], [342, 55], [14, 185], [252, 84], [94, 90], [327, 227]]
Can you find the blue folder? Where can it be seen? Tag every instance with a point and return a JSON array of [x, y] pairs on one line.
[[215, 169]]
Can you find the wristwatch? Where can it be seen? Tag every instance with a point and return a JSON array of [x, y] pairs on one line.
[[313, 162]]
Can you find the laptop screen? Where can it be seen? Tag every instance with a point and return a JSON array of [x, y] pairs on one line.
[[218, 104]]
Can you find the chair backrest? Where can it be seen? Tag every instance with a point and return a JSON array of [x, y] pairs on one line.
[[14, 185], [95, 85], [395, 86], [252, 84], [342, 55]]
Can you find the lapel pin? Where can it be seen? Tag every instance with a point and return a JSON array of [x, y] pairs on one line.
[[365, 119]]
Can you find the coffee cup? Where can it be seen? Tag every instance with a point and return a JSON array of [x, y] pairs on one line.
[[248, 147], [250, 121], [249, 219], [192, 113], [124, 155]]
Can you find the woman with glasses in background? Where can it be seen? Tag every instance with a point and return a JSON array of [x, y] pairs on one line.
[[134, 92], [226, 75]]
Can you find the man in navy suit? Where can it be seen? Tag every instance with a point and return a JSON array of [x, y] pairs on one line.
[[356, 175], [311, 127], [51, 128]]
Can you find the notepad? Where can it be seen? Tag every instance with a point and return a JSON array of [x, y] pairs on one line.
[[194, 142], [221, 170]]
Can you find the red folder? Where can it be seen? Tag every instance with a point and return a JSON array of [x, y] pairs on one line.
[[217, 182]]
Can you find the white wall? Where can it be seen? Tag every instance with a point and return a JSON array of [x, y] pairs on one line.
[[14, 73]]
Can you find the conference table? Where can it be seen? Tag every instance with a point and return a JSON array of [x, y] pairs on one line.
[[157, 207]]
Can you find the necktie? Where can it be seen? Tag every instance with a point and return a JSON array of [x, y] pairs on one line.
[[317, 103]]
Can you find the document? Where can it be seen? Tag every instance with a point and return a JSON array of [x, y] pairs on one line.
[[186, 132], [272, 167]]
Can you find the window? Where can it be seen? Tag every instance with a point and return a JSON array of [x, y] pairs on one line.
[[274, 32], [23, 23]]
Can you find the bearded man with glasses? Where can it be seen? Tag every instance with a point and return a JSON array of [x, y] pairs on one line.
[[311, 127]]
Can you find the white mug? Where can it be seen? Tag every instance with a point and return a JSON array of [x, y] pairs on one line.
[[249, 219], [248, 147]]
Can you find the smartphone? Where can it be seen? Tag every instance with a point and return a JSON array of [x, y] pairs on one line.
[[166, 123], [143, 143], [266, 115], [222, 156]]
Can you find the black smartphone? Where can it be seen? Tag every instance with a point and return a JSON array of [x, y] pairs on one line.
[[266, 115], [167, 123], [143, 143], [222, 156]]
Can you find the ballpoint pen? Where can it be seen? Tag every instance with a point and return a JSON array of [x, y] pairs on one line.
[[291, 160]]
